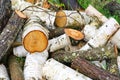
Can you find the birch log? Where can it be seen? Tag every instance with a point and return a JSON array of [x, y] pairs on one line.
[[3, 73], [91, 11], [35, 36], [52, 18], [10, 32], [89, 69], [105, 32], [19, 51], [33, 65], [53, 70], [59, 42]]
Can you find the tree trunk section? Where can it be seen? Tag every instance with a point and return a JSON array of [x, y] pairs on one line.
[[92, 71], [9, 33]]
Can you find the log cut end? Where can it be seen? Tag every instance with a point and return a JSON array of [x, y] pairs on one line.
[[35, 41], [75, 34], [32, 1], [61, 19]]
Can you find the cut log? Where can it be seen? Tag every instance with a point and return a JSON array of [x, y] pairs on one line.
[[19, 51], [33, 65], [53, 70], [10, 32], [35, 36], [92, 71], [91, 11], [100, 53], [59, 42], [5, 13], [75, 34], [3, 73], [51, 18], [15, 68], [105, 32]]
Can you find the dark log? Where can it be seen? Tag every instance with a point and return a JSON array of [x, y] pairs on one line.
[[100, 53], [9, 33], [5, 13], [92, 71], [15, 67], [56, 32]]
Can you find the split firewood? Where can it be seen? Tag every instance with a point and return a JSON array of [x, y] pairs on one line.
[[10, 32], [91, 11], [6, 11], [20, 51], [92, 71], [105, 32], [3, 73], [112, 67], [35, 36], [33, 65], [100, 53], [59, 42], [53, 70], [15, 68]]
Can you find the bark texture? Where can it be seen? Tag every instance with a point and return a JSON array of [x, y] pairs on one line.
[[5, 13], [9, 33], [92, 71]]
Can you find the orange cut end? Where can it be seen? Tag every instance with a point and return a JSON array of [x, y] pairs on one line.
[[31, 1], [75, 34], [20, 14], [35, 41], [61, 19]]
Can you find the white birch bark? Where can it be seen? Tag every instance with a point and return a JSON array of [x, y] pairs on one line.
[[3, 73], [118, 63], [116, 39], [89, 32], [59, 42], [91, 11], [48, 17], [53, 70], [104, 33], [19, 51], [33, 65]]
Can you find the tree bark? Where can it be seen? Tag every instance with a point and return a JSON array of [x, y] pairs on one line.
[[92, 71], [9, 33], [101, 53], [60, 72], [5, 13], [15, 68]]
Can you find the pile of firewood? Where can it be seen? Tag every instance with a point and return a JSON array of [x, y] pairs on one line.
[[57, 45]]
